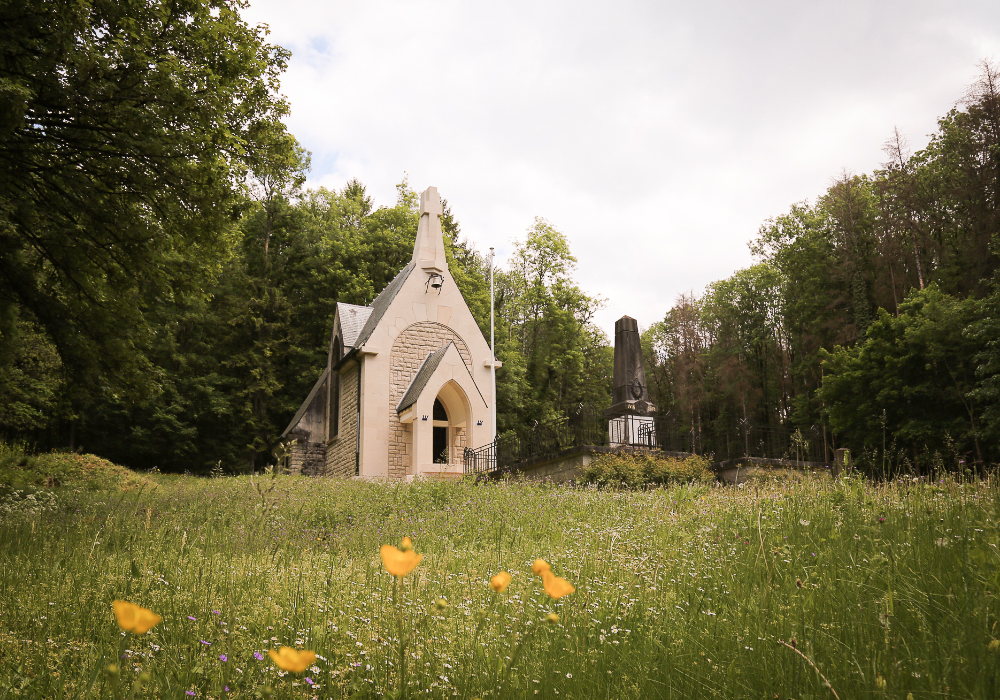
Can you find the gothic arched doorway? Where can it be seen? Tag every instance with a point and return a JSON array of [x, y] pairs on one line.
[[441, 449], [450, 424]]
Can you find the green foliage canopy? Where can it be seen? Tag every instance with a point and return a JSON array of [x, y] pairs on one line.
[[910, 382], [871, 315], [127, 131]]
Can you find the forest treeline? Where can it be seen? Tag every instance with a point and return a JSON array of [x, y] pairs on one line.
[[168, 284], [871, 316], [232, 361]]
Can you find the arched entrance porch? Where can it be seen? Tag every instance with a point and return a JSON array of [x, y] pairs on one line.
[[449, 426]]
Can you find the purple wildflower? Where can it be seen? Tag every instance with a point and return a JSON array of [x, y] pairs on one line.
[[222, 657], [257, 655], [192, 618], [208, 644], [216, 612]]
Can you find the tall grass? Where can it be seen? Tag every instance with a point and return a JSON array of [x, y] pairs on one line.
[[680, 593]]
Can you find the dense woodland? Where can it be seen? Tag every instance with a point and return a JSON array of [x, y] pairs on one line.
[[871, 314], [167, 284]]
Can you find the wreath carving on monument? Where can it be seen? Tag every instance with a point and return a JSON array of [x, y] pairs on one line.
[[636, 389]]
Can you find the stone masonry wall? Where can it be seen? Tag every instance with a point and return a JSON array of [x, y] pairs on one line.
[[459, 442], [307, 458], [296, 452], [409, 351], [340, 452], [307, 453]]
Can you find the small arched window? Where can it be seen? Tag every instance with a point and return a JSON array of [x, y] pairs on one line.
[[439, 412], [334, 383]]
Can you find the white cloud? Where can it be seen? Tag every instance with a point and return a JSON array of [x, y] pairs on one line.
[[657, 136]]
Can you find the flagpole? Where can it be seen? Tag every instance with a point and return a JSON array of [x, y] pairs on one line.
[[493, 352]]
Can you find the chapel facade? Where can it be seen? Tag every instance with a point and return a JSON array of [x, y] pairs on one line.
[[407, 383]]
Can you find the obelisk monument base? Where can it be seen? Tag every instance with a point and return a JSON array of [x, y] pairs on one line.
[[630, 417]]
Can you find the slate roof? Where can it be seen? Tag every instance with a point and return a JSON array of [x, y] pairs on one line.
[[352, 321], [422, 377], [305, 404], [381, 305], [357, 323]]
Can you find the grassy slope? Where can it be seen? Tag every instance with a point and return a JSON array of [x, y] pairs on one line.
[[19, 470], [681, 593]]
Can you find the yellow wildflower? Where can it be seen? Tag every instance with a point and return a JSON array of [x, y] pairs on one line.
[[288, 659], [500, 582], [556, 586], [552, 619], [539, 566], [133, 618], [399, 562]]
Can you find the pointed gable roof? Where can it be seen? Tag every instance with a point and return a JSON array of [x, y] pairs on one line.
[[352, 321], [426, 372], [421, 378], [428, 252], [381, 305], [305, 404]]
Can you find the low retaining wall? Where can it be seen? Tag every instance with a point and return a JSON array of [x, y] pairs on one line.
[[568, 465], [738, 471]]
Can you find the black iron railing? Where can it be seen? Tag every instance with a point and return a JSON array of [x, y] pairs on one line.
[[656, 432], [560, 434], [775, 442]]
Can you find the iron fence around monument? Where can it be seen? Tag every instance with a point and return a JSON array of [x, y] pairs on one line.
[[774, 442], [555, 436], [592, 428]]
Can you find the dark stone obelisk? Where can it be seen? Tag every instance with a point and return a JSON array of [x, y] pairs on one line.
[[629, 393]]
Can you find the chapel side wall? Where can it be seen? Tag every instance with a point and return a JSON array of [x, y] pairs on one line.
[[308, 449], [340, 452], [296, 453], [409, 350], [307, 458]]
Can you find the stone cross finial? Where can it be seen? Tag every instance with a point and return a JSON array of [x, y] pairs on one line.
[[428, 249], [430, 202]]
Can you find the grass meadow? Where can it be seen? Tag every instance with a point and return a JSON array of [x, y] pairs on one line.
[[787, 589]]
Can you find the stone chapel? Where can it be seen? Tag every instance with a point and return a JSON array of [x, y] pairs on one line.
[[407, 381]]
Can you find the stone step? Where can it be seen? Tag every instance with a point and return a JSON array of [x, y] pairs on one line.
[[442, 476]]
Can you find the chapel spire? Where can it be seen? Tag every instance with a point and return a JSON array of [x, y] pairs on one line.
[[428, 250]]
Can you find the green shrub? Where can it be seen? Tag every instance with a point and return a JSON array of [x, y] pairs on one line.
[[647, 468], [20, 470]]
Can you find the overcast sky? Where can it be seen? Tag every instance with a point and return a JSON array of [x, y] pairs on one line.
[[658, 136]]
